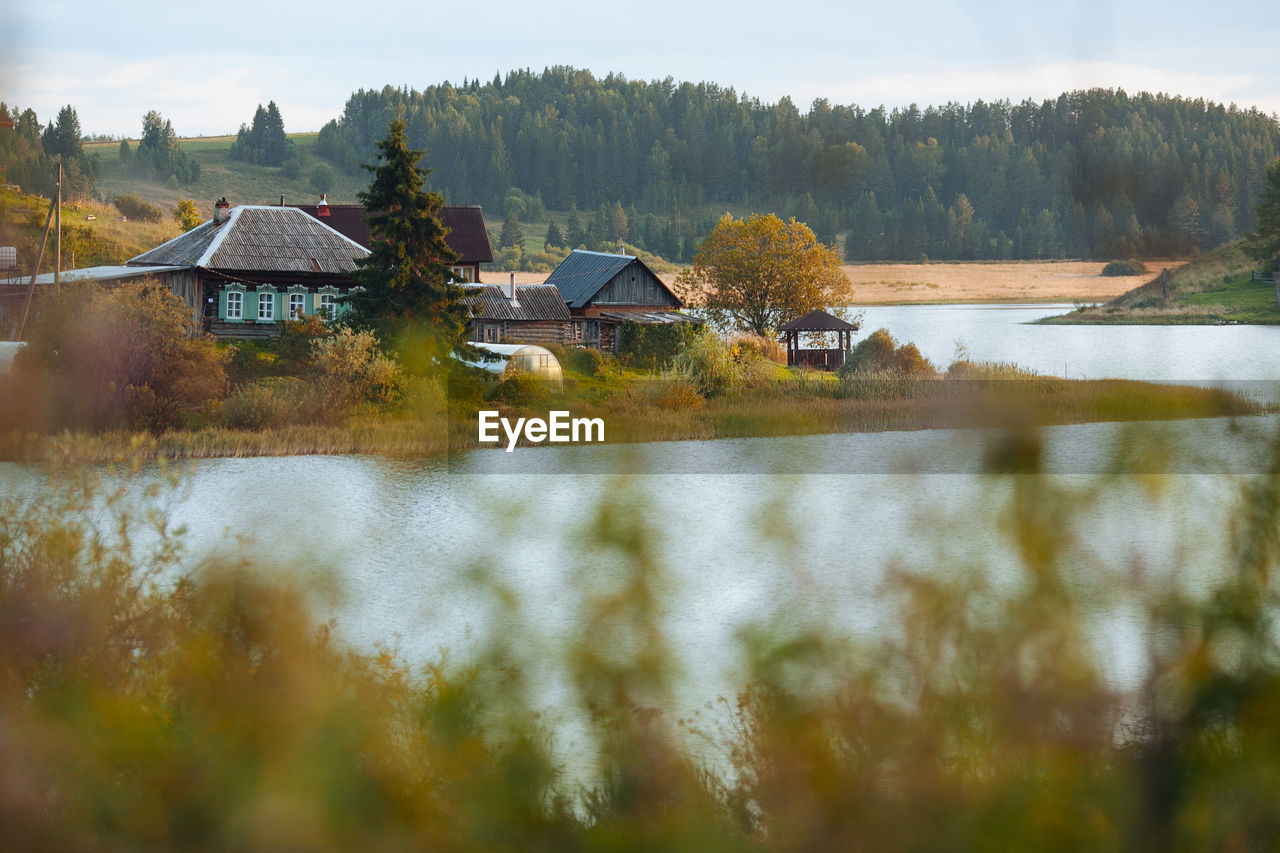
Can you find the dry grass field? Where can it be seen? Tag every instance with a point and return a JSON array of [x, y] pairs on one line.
[[1010, 281]]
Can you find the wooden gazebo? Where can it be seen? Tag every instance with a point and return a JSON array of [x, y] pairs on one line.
[[818, 321]]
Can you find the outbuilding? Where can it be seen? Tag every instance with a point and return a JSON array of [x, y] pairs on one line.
[[818, 323]]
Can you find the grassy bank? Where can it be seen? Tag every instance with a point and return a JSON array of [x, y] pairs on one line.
[[653, 411], [637, 408], [1214, 289]]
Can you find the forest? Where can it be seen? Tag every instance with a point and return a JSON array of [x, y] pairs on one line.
[[1097, 173]]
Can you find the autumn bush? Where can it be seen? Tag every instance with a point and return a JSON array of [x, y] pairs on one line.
[[348, 369], [124, 356], [880, 353]]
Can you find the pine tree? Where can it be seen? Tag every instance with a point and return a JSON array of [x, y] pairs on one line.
[[554, 236], [407, 276], [1263, 244], [511, 234]]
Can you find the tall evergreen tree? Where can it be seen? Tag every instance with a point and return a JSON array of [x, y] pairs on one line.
[[554, 236], [407, 276], [1264, 242], [511, 234]]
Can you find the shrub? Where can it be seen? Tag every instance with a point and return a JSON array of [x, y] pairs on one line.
[[706, 363], [880, 353], [653, 346], [745, 342], [134, 207], [348, 369], [266, 404], [128, 356], [1129, 267]]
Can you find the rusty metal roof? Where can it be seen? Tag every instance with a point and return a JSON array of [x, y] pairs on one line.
[[536, 302], [818, 321], [465, 222], [261, 239]]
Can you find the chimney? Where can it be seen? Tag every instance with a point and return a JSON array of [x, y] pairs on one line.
[[282, 199], [221, 210], [511, 293], [322, 209]]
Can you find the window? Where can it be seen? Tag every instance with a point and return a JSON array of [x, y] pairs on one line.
[[326, 306], [235, 305], [297, 305], [462, 274], [491, 334], [266, 307]]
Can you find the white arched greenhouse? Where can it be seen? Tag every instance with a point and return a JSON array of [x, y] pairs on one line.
[[521, 358]]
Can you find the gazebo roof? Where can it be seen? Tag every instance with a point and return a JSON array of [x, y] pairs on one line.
[[818, 321]]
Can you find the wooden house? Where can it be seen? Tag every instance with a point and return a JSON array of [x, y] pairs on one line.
[[529, 314], [252, 266], [466, 235], [603, 291]]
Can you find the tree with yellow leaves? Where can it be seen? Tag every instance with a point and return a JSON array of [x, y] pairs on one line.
[[757, 273]]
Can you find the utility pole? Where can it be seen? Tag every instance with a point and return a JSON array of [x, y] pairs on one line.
[[57, 240]]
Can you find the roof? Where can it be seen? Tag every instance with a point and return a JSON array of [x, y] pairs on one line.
[[652, 318], [261, 238], [581, 275], [818, 321], [536, 302], [348, 220], [467, 235], [98, 274]]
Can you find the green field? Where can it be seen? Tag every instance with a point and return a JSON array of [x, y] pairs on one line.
[[240, 182], [1215, 288]]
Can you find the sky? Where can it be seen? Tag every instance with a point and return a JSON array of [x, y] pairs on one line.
[[207, 66]]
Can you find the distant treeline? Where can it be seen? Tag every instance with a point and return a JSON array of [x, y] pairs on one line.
[[1092, 173]]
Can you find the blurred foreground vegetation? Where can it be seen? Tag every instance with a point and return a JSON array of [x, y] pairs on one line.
[[146, 704]]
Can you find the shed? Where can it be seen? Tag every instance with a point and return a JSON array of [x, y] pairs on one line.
[[530, 314], [818, 322], [603, 291], [520, 358]]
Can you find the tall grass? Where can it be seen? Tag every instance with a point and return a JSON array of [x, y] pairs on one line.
[[148, 709]]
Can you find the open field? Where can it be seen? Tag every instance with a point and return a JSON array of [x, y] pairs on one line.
[[241, 183], [1010, 281]]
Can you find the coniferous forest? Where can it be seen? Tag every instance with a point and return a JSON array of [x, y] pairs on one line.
[[1097, 173]]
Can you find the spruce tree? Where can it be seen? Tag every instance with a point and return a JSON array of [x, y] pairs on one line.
[[512, 234], [1263, 244], [407, 275], [554, 236]]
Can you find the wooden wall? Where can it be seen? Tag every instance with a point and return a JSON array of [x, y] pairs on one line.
[[635, 285]]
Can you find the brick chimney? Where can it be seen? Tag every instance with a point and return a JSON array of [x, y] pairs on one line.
[[221, 210], [322, 209]]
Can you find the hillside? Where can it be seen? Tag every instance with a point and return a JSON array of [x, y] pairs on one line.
[[1215, 288], [1091, 174], [93, 233], [240, 182]]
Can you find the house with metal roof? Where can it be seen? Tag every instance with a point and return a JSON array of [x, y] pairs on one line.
[[528, 314], [252, 266], [464, 224], [603, 291]]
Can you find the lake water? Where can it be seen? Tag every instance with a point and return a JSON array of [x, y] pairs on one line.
[[757, 532]]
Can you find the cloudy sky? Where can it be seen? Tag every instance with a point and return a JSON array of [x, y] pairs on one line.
[[206, 66]]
